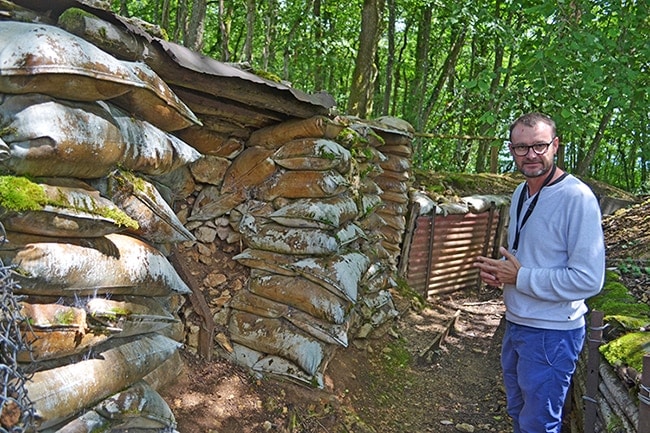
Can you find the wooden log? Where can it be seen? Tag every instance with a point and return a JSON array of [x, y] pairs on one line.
[[427, 354], [618, 416], [618, 393]]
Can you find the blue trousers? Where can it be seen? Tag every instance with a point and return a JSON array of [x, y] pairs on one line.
[[537, 368]]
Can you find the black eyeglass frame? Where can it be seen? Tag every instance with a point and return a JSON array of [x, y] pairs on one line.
[[516, 148]]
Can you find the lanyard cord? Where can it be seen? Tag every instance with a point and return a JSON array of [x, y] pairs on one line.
[[529, 211]]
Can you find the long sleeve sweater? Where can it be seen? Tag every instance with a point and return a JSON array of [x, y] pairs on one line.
[[562, 253]]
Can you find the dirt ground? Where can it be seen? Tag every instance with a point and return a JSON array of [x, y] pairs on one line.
[[387, 384]]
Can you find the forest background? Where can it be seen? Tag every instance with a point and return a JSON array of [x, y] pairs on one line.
[[459, 72]]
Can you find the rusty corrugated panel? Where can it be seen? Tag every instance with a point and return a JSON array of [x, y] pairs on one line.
[[445, 263]]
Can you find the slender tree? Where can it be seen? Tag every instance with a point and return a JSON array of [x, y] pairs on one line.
[[365, 69]]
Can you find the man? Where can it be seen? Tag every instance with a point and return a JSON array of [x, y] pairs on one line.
[[556, 260]]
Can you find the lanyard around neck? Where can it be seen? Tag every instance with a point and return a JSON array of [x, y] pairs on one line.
[[529, 211]]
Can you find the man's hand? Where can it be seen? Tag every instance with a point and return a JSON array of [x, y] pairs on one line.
[[496, 272]]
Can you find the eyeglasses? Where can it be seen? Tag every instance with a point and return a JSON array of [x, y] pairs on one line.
[[523, 149]]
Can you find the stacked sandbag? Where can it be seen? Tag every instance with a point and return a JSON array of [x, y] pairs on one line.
[[303, 199], [85, 140], [395, 182]]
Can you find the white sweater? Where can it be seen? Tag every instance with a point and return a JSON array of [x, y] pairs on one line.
[[562, 253]]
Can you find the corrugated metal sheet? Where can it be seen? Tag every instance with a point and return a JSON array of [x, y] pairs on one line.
[[444, 262]]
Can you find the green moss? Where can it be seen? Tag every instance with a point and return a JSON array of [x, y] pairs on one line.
[[268, 76], [21, 194], [615, 300], [627, 323], [120, 218], [627, 350], [64, 317], [72, 16], [405, 290], [351, 139]]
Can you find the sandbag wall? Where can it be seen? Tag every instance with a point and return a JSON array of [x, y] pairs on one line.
[[303, 197], [85, 139], [297, 228]]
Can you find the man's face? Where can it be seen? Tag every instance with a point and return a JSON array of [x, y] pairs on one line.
[[533, 164]]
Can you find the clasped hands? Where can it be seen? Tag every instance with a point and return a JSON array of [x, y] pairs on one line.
[[497, 272]]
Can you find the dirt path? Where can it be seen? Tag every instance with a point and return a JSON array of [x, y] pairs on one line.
[[379, 385]]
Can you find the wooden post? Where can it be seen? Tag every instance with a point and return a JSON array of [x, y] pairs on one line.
[[644, 397], [414, 213], [594, 339], [430, 253]]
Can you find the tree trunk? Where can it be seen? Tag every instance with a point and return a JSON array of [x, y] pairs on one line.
[[196, 26], [319, 73], [224, 28], [585, 162], [390, 58], [164, 15], [250, 31], [414, 104], [268, 54], [446, 72], [365, 69]]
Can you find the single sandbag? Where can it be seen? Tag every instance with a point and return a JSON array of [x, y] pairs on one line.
[[272, 137], [300, 293], [329, 212], [211, 142], [339, 274], [39, 58], [141, 201], [396, 163], [132, 315], [251, 167], [313, 154], [41, 136], [150, 150], [176, 185], [267, 261], [272, 365], [287, 240], [277, 337], [60, 208], [154, 101], [57, 331], [117, 264], [137, 407], [303, 184], [389, 184], [405, 150], [211, 203]]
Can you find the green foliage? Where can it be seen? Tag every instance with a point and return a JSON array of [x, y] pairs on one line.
[[583, 62], [628, 266]]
